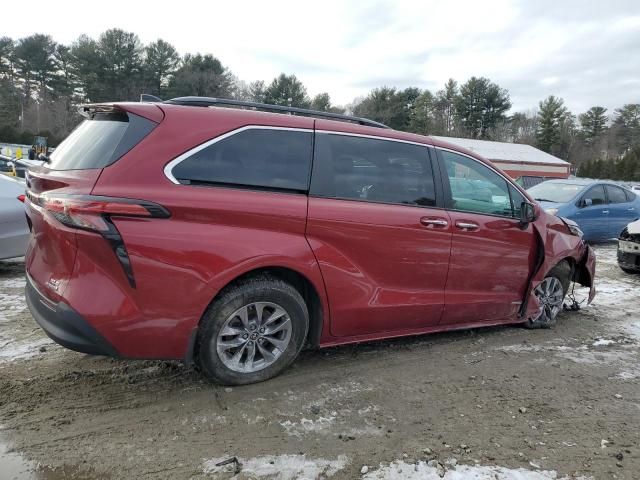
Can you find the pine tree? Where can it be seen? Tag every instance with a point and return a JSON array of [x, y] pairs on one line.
[[551, 115], [287, 90], [480, 105], [593, 124]]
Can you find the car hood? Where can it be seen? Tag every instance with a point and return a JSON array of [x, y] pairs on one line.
[[546, 205], [634, 228]]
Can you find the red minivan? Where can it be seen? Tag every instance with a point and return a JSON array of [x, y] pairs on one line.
[[233, 237]]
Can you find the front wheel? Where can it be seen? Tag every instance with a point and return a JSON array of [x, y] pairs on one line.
[[252, 332], [550, 293]]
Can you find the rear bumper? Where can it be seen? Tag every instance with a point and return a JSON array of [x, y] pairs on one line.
[[65, 326]]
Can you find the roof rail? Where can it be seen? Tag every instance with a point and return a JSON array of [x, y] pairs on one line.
[[209, 101]]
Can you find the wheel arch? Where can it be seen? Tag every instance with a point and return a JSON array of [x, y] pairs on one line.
[[299, 281]]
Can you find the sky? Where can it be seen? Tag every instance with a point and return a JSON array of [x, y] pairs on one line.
[[586, 52]]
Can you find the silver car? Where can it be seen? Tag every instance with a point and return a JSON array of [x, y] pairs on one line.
[[14, 231]]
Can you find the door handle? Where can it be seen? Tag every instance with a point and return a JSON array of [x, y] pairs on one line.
[[434, 222], [605, 211], [467, 225], [631, 209]]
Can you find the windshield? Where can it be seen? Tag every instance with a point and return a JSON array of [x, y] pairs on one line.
[[554, 192]]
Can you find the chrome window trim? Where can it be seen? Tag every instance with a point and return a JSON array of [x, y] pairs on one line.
[[373, 137], [509, 181], [170, 166], [490, 167]]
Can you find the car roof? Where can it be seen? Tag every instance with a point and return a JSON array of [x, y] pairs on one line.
[[582, 181]]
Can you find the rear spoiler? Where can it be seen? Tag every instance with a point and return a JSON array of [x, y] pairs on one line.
[[145, 110]]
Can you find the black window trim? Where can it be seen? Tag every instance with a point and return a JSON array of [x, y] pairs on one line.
[[447, 188], [429, 157], [168, 169]]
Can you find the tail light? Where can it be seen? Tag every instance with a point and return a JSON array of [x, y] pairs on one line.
[[93, 213], [21, 198]]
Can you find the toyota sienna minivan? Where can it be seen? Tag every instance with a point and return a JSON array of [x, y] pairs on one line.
[[232, 235]]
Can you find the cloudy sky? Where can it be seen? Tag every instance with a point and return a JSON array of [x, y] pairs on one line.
[[585, 51]]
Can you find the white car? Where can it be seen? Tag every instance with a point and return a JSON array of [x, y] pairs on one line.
[[14, 230]]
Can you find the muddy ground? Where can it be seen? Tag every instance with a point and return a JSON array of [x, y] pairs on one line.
[[500, 401]]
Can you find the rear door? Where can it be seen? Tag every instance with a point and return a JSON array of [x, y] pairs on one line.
[[491, 254], [621, 209], [593, 213], [380, 239]]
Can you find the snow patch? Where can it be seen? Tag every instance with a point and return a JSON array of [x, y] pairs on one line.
[[400, 470], [16, 351], [306, 425], [281, 467]]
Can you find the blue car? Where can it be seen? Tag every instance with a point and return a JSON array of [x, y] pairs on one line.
[[601, 209]]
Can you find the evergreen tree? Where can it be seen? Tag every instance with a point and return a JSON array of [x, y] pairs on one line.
[[389, 106], [35, 64], [121, 54], [287, 90], [593, 124], [551, 115], [422, 118], [160, 62], [480, 105], [627, 126], [445, 111], [201, 75]]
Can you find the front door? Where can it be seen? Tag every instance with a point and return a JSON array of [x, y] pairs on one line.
[[381, 243], [491, 254]]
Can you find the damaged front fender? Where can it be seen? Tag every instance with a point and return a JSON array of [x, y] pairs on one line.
[[585, 272], [555, 244]]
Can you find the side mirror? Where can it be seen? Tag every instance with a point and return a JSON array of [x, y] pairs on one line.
[[10, 164], [528, 213], [587, 202], [43, 158]]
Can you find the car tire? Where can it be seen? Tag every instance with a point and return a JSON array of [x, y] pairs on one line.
[[255, 358], [558, 277]]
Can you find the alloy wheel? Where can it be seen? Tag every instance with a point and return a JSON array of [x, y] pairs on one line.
[[254, 336], [551, 295]]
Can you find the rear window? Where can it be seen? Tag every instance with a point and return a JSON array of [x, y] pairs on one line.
[[100, 141], [257, 157]]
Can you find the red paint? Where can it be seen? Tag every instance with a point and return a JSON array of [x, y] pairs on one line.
[[379, 270]]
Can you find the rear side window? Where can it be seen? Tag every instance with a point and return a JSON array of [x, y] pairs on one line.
[[615, 194], [630, 195], [357, 168], [264, 158], [100, 141]]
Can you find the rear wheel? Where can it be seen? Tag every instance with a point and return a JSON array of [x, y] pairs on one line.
[[252, 332], [550, 293]]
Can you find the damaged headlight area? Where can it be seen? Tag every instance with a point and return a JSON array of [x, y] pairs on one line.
[[573, 227], [629, 248]]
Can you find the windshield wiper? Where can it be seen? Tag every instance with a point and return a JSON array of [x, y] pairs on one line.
[[544, 200]]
